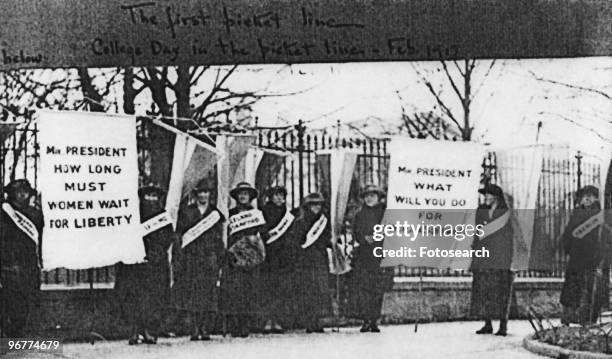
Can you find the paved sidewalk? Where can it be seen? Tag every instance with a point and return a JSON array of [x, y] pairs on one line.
[[455, 340]]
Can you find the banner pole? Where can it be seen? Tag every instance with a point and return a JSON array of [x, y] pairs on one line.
[[420, 311]]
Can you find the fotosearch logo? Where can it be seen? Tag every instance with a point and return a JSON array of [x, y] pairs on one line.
[[411, 231]]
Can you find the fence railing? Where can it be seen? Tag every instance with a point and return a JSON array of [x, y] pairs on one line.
[[563, 170]]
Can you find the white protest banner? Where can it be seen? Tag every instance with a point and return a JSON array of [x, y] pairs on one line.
[[89, 186], [519, 171], [431, 202]]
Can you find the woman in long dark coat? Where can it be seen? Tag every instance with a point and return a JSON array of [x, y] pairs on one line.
[[312, 232], [145, 287], [587, 242], [276, 271], [20, 258], [367, 280], [239, 281], [492, 276], [199, 251]]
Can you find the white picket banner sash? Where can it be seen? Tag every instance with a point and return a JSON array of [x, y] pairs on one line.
[[315, 231], [245, 220], [497, 224], [202, 226], [281, 227], [22, 222], [587, 226], [153, 224]]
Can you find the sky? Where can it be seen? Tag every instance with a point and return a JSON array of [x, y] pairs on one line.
[[506, 110]]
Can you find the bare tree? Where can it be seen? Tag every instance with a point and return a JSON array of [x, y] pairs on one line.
[[460, 75]]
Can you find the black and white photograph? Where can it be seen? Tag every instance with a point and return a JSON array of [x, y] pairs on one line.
[[305, 179]]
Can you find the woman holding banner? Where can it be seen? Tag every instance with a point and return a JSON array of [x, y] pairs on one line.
[[492, 275], [246, 252], [368, 281], [276, 271], [144, 288], [21, 228], [199, 251], [587, 242], [312, 232]]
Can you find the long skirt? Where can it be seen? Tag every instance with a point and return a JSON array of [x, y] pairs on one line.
[[143, 291], [239, 291], [196, 290], [366, 289], [491, 294], [275, 294], [584, 294], [313, 295], [19, 296]]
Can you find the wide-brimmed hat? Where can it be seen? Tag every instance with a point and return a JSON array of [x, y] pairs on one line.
[[372, 188], [492, 189], [244, 186], [588, 191], [151, 188], [202, 186], [313, 198], [19, 184], [276, 190]]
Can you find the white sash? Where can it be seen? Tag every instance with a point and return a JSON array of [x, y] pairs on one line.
[[153, 224], [202, 226], [497, 224], [587, 226], [245, 220], [281, 227], [22, 222], [315, 231]]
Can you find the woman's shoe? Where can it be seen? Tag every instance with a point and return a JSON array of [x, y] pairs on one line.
[[374, 328], [134, 339], [148, 338], [487, 329], [277, 329], [267, 328], [365, 327], [502, 332]]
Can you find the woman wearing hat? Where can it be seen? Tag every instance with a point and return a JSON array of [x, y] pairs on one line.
[[146, 290], [276, 271], [492, 275], [312, 232], [199, 251], [587, 243], [367, 281], [245, 253], [21, 228]]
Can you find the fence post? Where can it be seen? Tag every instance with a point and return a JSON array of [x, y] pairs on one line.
[[300, 133], [579, 169]]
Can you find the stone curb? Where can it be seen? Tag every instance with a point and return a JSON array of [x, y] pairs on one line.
[[553, 351]]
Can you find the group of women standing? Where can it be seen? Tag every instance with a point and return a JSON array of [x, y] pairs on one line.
[[273, 272]]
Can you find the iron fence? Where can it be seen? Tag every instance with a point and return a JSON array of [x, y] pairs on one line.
[[561, 176]]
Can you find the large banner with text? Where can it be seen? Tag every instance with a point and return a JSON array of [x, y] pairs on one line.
[[431, 203], [89, 186]]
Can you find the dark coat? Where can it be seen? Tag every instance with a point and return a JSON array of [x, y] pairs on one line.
[[196, 266], [238, 284], [276, 274], [312, 268], [20, 261], [492, 279], [143, 289], [499, 244], [367, 280], [586, 278]]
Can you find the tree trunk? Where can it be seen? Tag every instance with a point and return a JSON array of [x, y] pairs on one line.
[[91, 95], [129, 93], [162, 141]]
